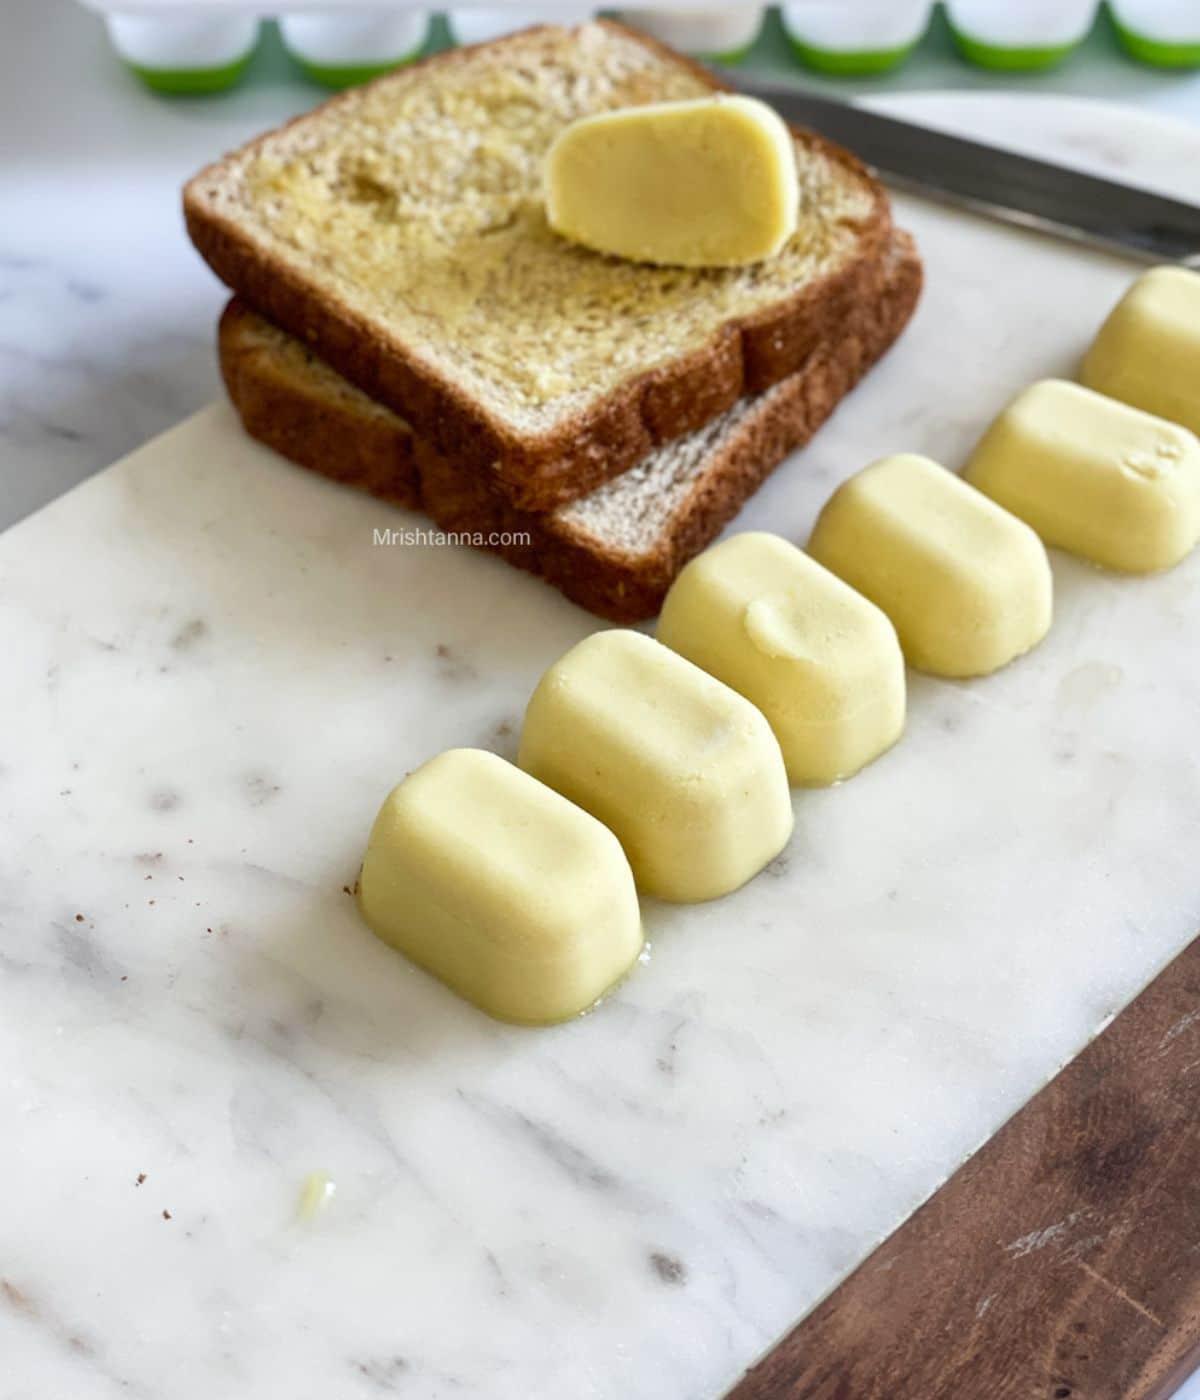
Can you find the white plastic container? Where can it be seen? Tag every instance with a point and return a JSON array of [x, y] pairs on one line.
[[1019, 35], [205, 45], [721, 32], [476, 25], [1165, 33], [185, 50], [855, 36], [341, 47]]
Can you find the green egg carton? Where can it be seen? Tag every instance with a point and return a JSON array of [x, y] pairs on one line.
[[194, 47], [477, 24], [1019, 36], [340, 50], [206, 46], [192, 82], [722, 34], [830, 36], [188, 53], [1161, 33]]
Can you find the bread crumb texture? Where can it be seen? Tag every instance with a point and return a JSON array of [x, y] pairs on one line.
[[630, 514], [418, 202]]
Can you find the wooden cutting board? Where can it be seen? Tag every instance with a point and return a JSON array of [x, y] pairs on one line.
[[1104, 1301]]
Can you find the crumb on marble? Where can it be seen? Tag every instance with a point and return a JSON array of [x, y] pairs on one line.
[[668, 1267], [189, 634], [259, 789], [14, 1297], [454, 668], [382, 1373]]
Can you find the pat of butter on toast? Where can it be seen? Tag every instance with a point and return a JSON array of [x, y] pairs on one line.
[[705, 183]]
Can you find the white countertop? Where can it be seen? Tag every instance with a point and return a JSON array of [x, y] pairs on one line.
[[106, 339]]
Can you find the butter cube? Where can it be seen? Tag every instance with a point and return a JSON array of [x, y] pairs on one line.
[[1148, 351], [1094, 476], [821, 662], [683, 769], [966, 584], [704, 183], [511, 895]]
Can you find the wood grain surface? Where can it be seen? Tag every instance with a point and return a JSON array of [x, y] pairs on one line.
[[1062, 1262]]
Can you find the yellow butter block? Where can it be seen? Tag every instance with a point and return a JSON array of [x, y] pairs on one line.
[[821, 662], [1148, 351], [1094, 476], [705, 183], [513, 896], [684, 770], [966, 585]]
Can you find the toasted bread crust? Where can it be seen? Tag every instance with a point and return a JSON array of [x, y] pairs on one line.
[[374, 451], [361, 445], [745, 356]]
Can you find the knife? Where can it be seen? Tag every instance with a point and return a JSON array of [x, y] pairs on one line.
[[1015, 188]]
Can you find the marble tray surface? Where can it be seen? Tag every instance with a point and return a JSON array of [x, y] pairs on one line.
[[212, 676]]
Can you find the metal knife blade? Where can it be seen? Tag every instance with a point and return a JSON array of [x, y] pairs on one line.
[[1015, 188]]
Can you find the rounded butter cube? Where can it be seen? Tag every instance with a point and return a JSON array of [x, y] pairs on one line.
[[511, 895], [1147, 353], [709, 182], [1094, 476], [684, 770], [819, 660], [966, 585]]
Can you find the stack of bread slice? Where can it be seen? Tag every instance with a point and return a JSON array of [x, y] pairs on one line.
[[405, 320]]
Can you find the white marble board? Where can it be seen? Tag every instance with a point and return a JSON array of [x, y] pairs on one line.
[[211, 677]]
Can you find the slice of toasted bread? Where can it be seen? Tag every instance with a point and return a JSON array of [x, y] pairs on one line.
[[617, 550], [399, 230]]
